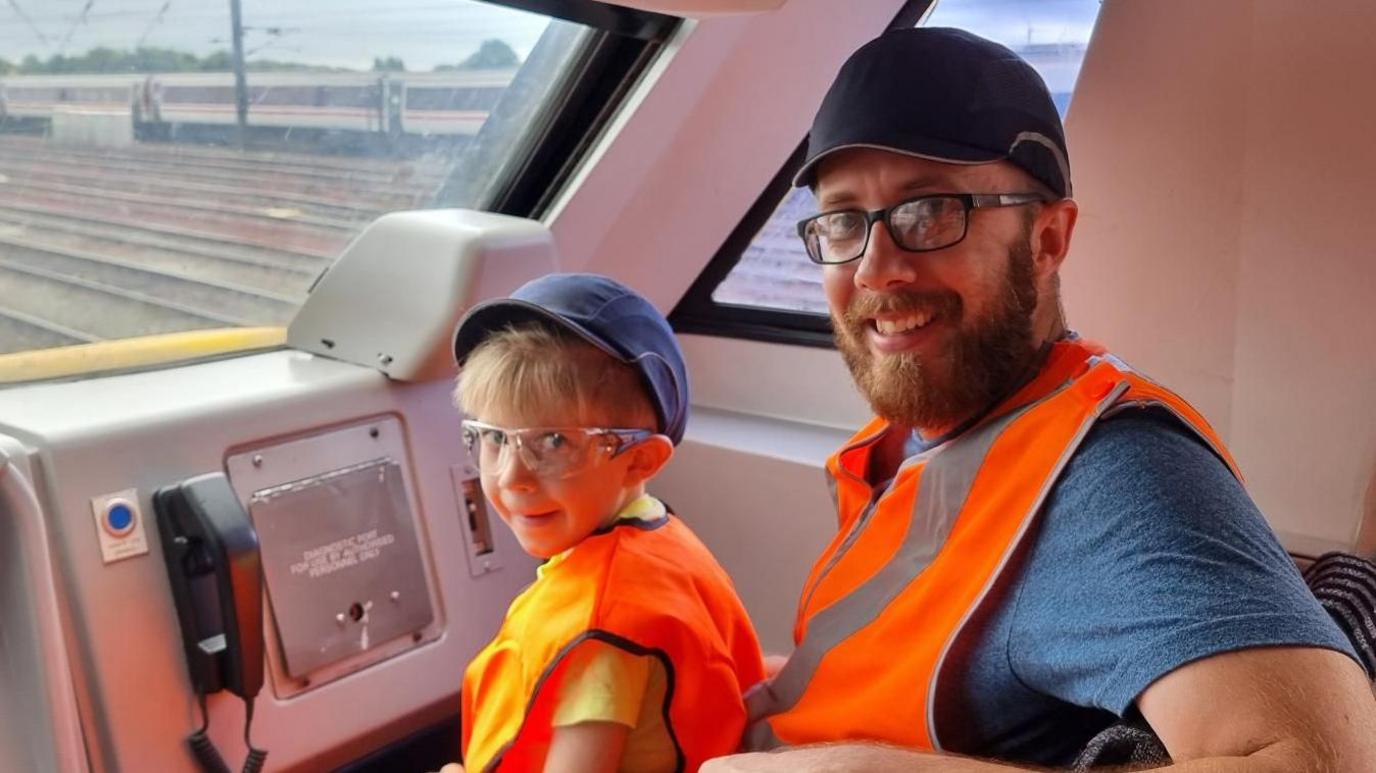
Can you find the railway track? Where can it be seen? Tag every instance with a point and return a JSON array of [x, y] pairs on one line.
[[260, 232], [100, 244], [402, 178], [361, 189], [97, 195], [96, 310], [21, 332], [117, 227], [111, 234], [244, 194], [177, 285]]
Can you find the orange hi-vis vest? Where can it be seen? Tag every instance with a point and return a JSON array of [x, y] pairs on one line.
[[649, 587], [886, 604]]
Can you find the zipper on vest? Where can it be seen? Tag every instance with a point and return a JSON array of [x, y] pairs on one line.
[[858, 524], [875, 496], [851, 536]]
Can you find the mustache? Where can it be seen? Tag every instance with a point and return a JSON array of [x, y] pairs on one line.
[[867, 306]]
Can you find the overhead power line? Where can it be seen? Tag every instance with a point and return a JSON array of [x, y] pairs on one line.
[[81, 19], [156, 20], [36, 31]]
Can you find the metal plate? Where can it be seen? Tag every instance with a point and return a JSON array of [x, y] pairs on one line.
[[285, 462], [343, 566]]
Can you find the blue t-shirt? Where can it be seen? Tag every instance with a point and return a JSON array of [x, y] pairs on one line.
[[1149, 555]]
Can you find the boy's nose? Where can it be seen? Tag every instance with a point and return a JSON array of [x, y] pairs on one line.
[[514, 472]]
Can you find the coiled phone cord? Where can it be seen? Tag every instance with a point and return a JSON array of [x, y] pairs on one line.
[[209, 757], [256, 758]]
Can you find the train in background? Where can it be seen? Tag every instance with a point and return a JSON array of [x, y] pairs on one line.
[[443, 104]]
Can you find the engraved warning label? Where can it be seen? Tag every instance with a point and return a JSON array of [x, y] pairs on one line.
[[342, 554]]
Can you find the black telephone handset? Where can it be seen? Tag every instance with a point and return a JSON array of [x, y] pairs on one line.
[[213, 564]]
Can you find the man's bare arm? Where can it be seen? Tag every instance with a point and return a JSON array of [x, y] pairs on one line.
[[1279, 708], [1282, 709]]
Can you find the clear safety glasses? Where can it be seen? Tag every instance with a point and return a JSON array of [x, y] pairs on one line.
[[548, 452]]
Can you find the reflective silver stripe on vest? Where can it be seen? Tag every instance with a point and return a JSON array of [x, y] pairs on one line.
[[858, 526], [944, 486], [1013, 545], [831, 489], [1205, 439], [1118, 363]]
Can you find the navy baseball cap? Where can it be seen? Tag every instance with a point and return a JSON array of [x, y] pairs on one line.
[[606, 314], [945, 95]]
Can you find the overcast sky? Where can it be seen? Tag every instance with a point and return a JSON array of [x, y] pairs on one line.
[[336, 33], [1019, 22], [424, 33]]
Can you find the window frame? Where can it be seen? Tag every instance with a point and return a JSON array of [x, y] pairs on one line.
[[624, 42], [629, 22], [698, 313]]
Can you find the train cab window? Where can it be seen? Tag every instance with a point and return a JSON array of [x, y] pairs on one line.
[[761, 284], [179, 173]]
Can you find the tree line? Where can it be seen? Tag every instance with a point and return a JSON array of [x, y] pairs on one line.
[[492, 54]]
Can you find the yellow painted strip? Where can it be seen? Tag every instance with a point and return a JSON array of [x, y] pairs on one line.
[[135, 352]]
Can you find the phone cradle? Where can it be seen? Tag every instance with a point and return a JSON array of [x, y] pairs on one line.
[[215, 571]]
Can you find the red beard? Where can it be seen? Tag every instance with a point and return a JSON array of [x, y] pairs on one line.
[[980, 366]]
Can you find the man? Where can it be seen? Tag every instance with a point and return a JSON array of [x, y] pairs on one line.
[[1035, 540]]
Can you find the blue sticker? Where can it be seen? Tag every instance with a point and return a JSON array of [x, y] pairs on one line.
[[120, 517]]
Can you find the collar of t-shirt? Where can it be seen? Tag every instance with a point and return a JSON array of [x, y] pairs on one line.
[[916, 444], [642, 508]]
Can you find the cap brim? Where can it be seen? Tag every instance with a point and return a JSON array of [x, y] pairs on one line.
[[932, 150], [491, 316]]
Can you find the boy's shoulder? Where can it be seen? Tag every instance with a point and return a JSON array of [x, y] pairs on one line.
[[670, 559], [664, 537]]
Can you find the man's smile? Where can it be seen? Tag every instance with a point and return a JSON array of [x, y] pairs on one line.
[[904, 331]]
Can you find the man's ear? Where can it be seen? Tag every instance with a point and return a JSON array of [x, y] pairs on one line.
[[1052, 229], [647, 458]]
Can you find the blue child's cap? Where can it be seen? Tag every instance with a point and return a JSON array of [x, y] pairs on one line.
[[606, 314]]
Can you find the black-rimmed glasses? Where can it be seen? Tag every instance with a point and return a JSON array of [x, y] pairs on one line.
[[548, 452], [919, 224]]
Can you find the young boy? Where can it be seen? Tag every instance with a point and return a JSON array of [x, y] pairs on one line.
[[631, 650]]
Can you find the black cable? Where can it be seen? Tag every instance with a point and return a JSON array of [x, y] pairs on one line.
[[80, 20], [32, 28], [201, 745], [256, 758], [157, 19], [209, 757]]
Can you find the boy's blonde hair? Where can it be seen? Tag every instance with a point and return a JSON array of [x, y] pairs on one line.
[[531, 368]]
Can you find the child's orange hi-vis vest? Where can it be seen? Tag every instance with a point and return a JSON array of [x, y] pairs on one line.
[[887, 602], [649, 587]]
